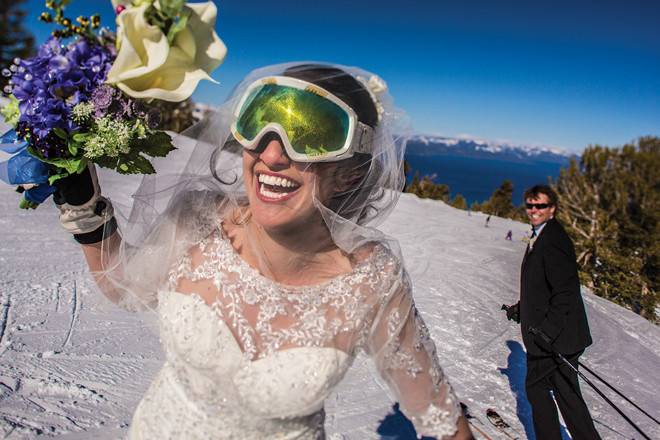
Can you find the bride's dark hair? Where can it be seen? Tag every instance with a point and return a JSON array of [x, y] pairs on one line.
[[349, 200], [341, 84]]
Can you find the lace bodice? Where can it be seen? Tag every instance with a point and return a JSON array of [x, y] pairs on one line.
[[247, 357]]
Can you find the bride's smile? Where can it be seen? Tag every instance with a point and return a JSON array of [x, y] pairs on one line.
[[275, 187], [280, 191]]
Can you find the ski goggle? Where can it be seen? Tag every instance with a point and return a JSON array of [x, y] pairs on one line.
[[313, 124]]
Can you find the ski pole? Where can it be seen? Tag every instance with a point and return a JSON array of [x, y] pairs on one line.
[[535, 331], [618, 392]]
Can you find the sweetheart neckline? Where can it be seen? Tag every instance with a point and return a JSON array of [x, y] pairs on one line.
[[197, 299]]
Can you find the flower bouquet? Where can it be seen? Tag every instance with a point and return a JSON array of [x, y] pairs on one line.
[[91, 95]]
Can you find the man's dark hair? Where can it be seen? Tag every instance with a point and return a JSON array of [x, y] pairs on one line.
[[533, 193]]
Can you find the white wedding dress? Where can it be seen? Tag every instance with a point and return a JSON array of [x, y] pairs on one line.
[[248, 358]]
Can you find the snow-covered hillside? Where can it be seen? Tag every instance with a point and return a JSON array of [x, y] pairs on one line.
[[73, 366]]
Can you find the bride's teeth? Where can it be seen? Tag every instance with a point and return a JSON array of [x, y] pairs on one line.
[[271, 195], [276, 181]]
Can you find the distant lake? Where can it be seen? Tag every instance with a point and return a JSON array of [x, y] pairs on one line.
[[476, 179]]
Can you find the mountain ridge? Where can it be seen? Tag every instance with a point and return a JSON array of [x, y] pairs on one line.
[[464, 146]]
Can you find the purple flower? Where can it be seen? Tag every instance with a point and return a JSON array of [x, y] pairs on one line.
[[49, 146], [126, 107], [153, 118], [51, 83], [102, 98]]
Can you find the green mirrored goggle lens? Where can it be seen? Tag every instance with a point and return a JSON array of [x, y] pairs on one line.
[[313, 124]]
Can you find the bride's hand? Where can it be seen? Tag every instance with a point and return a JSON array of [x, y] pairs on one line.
[[83, 211], [76, 189]]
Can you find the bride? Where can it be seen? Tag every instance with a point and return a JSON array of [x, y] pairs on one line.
[[261, 261]]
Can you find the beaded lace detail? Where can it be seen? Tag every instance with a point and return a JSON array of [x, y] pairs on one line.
[[286, 316], [260, 357]]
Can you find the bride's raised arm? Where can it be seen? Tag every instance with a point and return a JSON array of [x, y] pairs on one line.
[[406, 358], [129, 276], [89, 217]]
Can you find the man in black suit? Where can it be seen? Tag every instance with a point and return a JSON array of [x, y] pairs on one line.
[[552, 316]]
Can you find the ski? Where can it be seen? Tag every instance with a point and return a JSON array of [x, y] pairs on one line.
[[498, 422], [471, 419]]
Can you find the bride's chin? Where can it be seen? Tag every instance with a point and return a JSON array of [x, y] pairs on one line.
[[285, 220]]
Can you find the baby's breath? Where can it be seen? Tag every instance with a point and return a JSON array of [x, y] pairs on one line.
[[110, 138], [82, 112]]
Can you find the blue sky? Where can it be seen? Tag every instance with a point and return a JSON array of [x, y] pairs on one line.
[[560, 73]]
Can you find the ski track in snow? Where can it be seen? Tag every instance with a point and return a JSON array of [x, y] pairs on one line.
[[74, 366], [75, 309]]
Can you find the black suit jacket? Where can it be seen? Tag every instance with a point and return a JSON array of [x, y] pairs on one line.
[[550, 297]]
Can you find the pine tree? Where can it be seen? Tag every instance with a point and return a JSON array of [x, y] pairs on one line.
[[406, 167], [459, 202], [609, 204], [427, 189], [15, 40], [500, 202]]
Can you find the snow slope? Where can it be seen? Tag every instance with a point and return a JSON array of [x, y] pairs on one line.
[[75, 367]]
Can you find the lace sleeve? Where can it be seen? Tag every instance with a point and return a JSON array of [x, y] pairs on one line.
[[406, 358], [141, 270]]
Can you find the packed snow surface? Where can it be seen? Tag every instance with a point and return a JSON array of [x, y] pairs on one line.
[[74, 366]]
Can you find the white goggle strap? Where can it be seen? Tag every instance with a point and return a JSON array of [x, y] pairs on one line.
[[363, 140]]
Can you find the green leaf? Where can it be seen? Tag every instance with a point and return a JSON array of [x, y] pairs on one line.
[[156, 144], [73, 148], [159, 21], [139, 129], [171, 8], [60, 133], [10, 112], [26, 204], [82, 165], [177, 26], [107, 162], [55, 177], [71, 165], [156, 17], [134, 165], [81, 137]]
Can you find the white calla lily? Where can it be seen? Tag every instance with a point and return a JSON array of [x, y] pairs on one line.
[[147, 66]]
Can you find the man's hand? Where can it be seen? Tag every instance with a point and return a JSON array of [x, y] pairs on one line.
[[512, 312]]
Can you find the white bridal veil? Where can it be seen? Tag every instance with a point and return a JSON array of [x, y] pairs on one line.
[[177, 237], [172, 211]]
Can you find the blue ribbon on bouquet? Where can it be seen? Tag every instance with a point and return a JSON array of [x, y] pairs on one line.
[[22, 168]]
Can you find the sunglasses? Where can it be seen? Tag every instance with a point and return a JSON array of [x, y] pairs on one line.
[[537, 205], [313, 124]]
